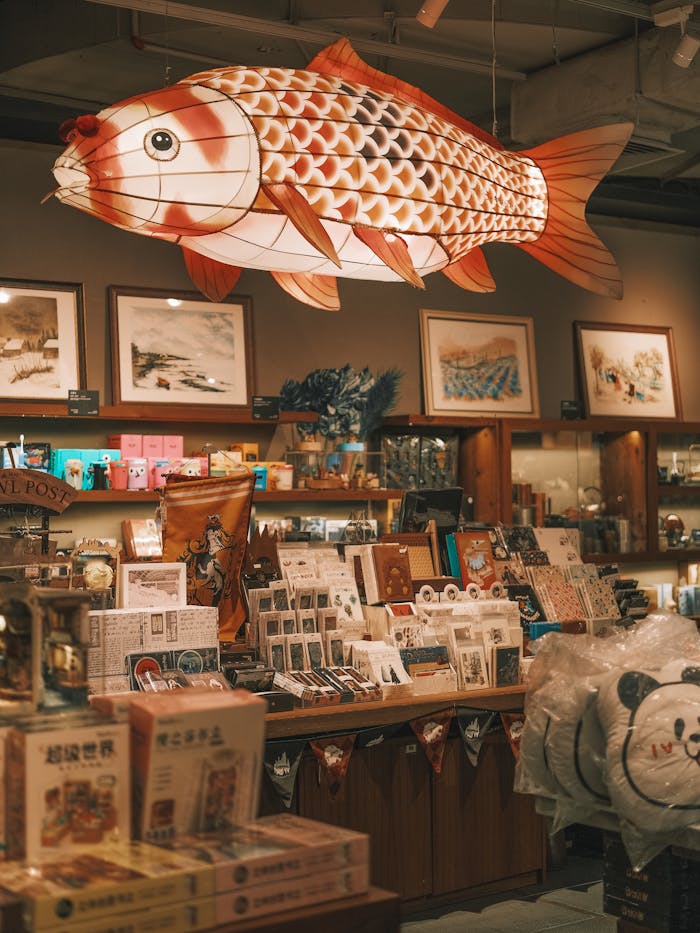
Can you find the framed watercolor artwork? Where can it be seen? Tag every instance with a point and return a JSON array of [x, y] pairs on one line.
[[627, 370], [178, 348], [42, 339], [478, 364]]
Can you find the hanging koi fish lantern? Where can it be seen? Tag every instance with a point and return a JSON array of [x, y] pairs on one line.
[[337, 170]]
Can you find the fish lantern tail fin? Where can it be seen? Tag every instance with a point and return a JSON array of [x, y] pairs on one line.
[[572, 167]]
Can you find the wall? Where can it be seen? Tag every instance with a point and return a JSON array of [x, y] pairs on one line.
[[378, 324]]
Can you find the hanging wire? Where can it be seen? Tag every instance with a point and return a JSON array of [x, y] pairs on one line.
[[494, 124], [167, 46], [554, 8]]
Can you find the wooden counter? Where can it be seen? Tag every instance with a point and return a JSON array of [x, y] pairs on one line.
[[349, 716], [434, 837]]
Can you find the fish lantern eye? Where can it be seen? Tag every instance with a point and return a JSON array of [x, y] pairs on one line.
[[161, 145]]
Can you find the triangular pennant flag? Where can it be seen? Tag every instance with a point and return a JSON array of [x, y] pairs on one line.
[[473, 726], [432, 733], [282, 763], [368, 738], [333, 755], [513, 724]]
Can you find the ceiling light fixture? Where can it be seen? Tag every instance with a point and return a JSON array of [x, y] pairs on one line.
[[689, 43], [686, 50], [430, 12]]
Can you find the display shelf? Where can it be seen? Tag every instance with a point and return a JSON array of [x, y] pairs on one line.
[[204, 414], [260, 495], [312, 720], [678, 491]]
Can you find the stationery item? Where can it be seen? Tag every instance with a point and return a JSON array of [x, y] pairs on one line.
[[118, 474], [137, 476], [73, 472], [209, 781], [386, 573], [471, 558]]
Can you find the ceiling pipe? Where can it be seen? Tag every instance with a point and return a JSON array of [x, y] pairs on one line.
[[285, 30]]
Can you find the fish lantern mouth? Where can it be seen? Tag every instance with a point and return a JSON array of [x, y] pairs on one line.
[[71, 180]]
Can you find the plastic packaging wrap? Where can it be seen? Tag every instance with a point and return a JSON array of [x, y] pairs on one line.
[[613, 729]]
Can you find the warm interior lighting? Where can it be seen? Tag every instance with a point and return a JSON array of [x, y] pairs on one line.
[[686, 50], [174, 302], [4, 297], [335, 170], [430, 12]]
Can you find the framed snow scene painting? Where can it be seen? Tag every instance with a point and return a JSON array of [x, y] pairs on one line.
[[177, 348], [478, 364], [42, 339], [627, 370]]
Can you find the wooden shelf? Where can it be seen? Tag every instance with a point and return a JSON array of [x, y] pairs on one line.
[[204, 414], [435, 421], [310, 721], [260, 495], [679, 491]]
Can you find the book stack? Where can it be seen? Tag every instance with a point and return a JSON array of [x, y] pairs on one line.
[[197, 882], [664, 895]]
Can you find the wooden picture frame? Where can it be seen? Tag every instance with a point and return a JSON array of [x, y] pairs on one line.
[[177, 348], [478, 364], [627, 370], [42, 339]]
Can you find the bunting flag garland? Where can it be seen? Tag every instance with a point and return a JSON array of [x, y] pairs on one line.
[[333, 754], [513, 724], [368, 738], [432, 731], [473, 727], [281, 763], [282, 757]]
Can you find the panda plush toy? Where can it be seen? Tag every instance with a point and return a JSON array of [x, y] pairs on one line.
[[652, 724]]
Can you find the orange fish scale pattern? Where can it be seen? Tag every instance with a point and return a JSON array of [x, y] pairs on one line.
[[363, 158]]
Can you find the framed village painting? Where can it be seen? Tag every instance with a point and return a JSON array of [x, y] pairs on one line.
[[478, 364], [179, 348], [627, 370], [42, 339]]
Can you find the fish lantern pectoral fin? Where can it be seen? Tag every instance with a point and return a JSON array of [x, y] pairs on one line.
[[213, 279], [471, 272], [318, 291]]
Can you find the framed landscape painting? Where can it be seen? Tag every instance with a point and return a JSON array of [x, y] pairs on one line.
[[478, 364], [179, 348], [627, 370], [42, 339]]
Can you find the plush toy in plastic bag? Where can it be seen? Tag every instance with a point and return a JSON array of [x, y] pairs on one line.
[[652, 721]]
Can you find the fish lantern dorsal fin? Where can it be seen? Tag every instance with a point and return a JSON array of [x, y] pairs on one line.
[[213, 279], [319, 291], [340, 60]]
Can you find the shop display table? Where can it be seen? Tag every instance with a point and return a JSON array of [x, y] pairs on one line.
[[375, 912], [436, 835]]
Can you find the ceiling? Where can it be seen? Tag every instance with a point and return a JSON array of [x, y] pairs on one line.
[[541, 68]]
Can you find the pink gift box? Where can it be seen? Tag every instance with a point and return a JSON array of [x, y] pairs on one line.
[[152, 445], [173, 445], [128, 445]]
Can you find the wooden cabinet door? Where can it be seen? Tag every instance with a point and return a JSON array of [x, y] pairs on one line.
[[385, 793], [482, 830]]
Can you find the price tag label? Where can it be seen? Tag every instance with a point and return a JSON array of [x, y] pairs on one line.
[[83, 402], [266, 408]]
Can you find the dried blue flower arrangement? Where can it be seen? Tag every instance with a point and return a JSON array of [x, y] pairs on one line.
[[350, 403]]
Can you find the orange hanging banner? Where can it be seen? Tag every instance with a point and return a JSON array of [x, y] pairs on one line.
[[432, 732], [513, 724], [333, 754]]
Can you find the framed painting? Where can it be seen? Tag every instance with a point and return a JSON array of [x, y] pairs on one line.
[[42, 339], [478, 364], [179, 348], [627, 370]]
